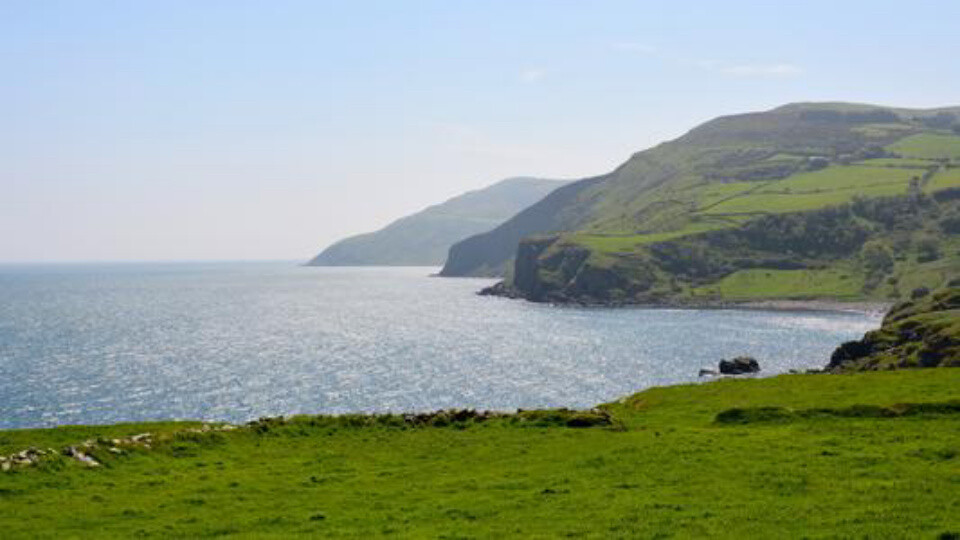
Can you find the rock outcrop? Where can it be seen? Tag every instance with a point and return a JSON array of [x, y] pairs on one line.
[[920, 333], [739, 366]]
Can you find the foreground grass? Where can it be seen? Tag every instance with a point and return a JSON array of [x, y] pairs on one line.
[[667, 468]]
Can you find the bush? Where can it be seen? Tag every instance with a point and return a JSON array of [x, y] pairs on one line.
[[877, 257], [950, 224], [928, 249]]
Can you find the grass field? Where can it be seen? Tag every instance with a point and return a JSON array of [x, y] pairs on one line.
[[928, 146], [613, 243], [808, 191], [842, 178], [881, 130], [760, 203], [713, 194], [904, 163], [949, 178], [770, 283], [667, 469]]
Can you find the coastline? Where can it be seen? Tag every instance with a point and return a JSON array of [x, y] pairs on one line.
[[873, 308]]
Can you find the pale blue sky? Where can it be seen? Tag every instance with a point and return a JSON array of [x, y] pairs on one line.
[[256, 130]]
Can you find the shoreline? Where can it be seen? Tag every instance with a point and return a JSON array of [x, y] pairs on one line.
[[199, 421], [872, 308], [700, 380], [863, 307]]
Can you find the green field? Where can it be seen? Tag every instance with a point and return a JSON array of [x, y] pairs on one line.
[[882, 130], [948, 178], [666, 468], [617, 243], [713, 194], [904, 163], [770, 283], [928, 146], [808, 191], [797, 202], [863, 179]]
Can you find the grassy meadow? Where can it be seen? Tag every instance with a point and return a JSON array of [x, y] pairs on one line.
[[928, 146], [666, 467], [948, 178], [761, 283]]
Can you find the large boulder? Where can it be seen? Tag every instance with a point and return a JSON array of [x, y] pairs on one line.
[[739, 366]]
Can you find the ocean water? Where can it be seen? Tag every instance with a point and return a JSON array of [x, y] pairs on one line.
[[100, 343]]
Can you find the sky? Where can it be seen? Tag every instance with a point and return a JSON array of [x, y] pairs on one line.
[[247, 130]]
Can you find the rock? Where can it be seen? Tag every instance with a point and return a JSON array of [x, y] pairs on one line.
[[88, 461], [707, 373], [919, 292], [739, 366]]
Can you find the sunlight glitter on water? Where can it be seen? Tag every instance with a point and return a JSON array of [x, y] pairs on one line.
[[234, 341]]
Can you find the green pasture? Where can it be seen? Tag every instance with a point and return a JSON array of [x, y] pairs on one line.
[[928, 146], [667, 467]]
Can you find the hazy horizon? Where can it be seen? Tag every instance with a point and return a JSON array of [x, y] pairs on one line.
[[224, 131]]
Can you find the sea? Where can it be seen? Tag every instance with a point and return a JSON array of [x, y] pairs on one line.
[[235, 341]]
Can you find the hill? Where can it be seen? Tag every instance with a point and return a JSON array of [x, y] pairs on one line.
[[809, 200], [853, 456], [424, 238]]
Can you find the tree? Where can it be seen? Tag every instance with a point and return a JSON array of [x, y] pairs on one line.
[[877, 257], [928, 249]]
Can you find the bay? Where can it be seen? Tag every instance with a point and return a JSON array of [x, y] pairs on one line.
[[102, 343]]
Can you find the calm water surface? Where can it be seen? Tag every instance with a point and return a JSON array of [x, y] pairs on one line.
[[235, 341]]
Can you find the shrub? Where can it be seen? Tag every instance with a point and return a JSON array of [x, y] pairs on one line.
[[877, 257], [928, 249]]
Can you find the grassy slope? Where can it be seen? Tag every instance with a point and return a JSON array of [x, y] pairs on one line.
[[695, 206], [802, 191], [929, 146], [672, 471], [730, 170]]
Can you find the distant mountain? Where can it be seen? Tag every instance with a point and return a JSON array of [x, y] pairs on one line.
[[424, 238], [806, 200]]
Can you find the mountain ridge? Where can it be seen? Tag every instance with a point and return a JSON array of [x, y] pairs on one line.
[[423, 238]]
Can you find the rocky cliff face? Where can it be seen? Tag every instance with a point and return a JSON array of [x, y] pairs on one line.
[[490, 253], [546, 270]]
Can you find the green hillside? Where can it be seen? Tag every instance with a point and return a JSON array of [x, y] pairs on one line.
[[868, 455], [681, 221], [423, 239], [921, 332]]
